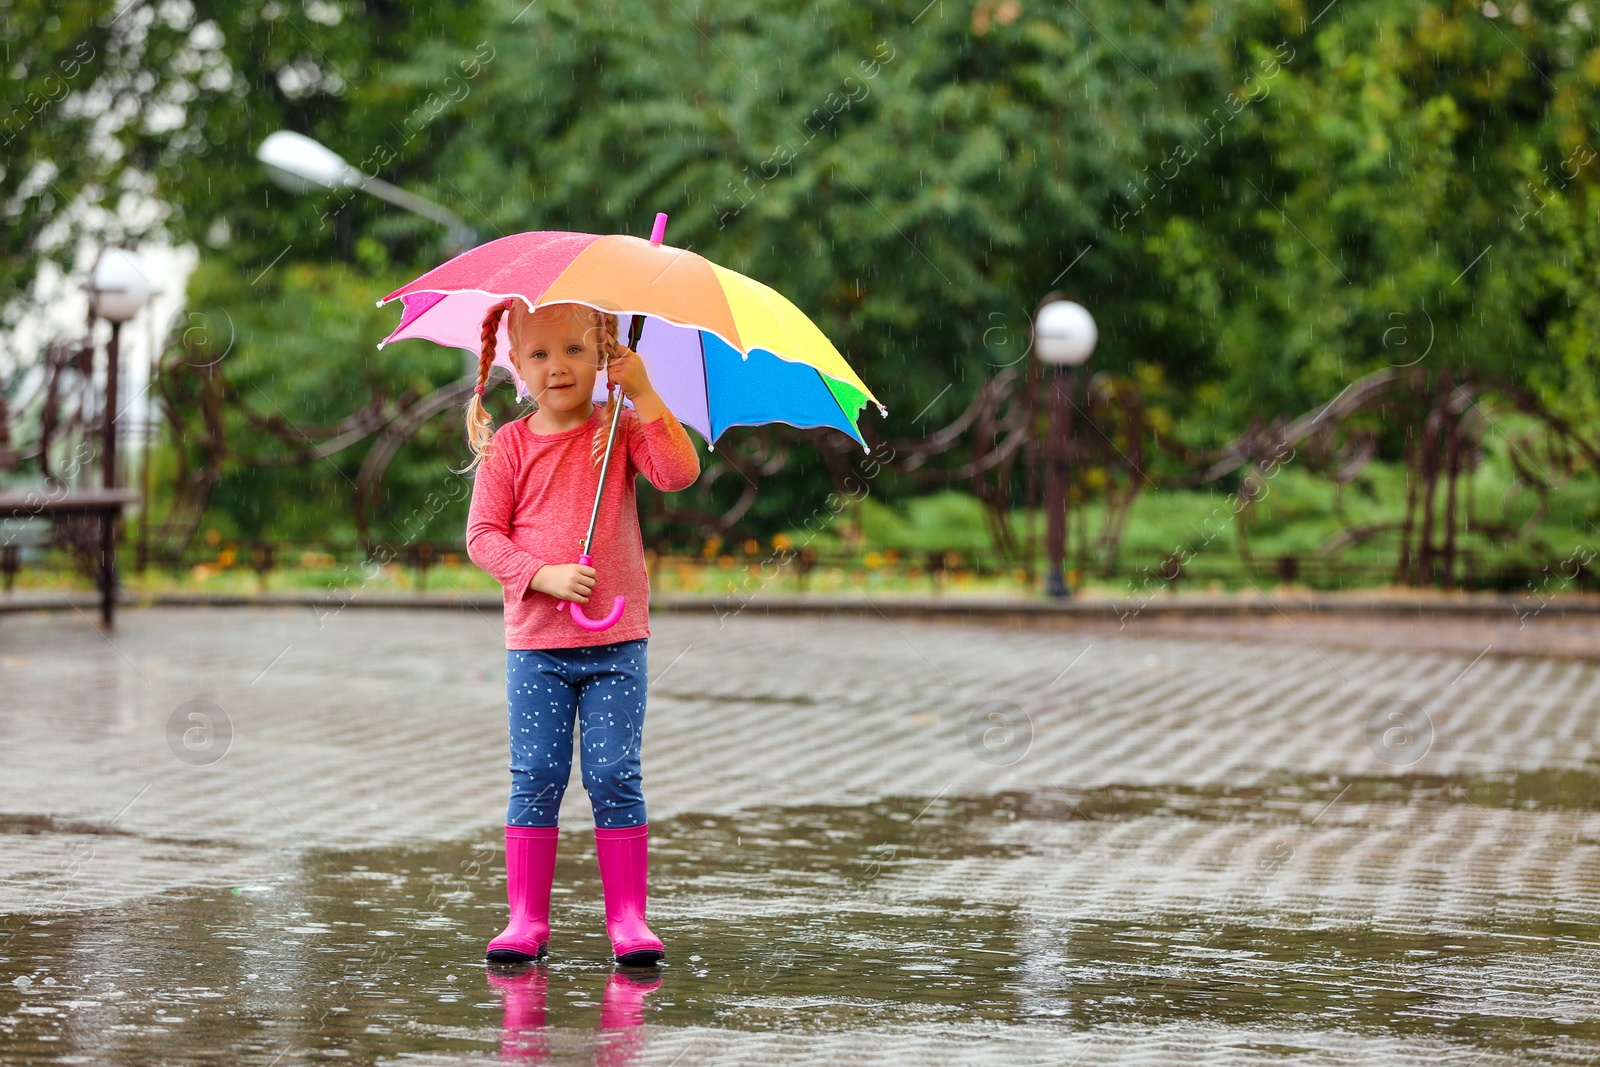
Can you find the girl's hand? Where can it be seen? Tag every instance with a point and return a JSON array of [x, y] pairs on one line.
[[626, 370], [565, 581]]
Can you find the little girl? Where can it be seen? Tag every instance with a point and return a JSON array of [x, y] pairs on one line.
[[531, 502]]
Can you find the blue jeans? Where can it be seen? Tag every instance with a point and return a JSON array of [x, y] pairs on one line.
[[603, 687]]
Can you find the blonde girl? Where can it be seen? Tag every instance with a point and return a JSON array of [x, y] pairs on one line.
[[533, 490]]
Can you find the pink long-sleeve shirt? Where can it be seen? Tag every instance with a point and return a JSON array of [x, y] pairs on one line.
[[531, 499]]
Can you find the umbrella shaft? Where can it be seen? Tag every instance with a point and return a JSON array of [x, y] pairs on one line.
[[605, 464], [635, 328]]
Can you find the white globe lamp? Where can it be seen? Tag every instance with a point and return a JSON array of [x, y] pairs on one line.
[[119, 286], [1064, 333]]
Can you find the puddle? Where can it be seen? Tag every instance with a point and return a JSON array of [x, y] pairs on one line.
[[29, 823], [794, 920], [1283, 796]]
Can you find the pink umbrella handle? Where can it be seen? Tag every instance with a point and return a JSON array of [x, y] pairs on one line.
[[596, 624]]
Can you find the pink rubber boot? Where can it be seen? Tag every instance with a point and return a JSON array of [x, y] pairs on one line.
[[623, 853], [530, 868]]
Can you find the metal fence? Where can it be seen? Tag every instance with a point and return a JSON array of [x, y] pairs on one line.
[[796, 569]]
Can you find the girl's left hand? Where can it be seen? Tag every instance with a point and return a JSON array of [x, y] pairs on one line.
[[626, 370]]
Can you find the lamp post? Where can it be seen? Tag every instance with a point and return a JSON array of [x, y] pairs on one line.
[[300, 165], [118, 288], [1064, 336]]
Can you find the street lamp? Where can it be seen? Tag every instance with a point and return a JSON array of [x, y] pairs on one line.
[[302, 165], [118, 288], [1064, 336]]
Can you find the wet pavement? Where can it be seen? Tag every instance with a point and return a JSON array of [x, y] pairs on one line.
[[885, 842]]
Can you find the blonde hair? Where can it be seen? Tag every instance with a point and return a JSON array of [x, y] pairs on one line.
[[480, 427]]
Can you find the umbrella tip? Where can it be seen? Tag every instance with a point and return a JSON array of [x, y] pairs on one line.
[[659, 231], [380, 303]]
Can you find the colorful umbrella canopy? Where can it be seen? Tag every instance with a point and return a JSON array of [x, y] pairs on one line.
[[722, 349]]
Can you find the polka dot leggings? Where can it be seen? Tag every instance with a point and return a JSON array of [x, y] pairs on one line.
[[603, 687]]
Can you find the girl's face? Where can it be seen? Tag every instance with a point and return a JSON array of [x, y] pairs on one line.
[[558, 356]]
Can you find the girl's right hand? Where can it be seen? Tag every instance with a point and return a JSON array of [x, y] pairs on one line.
[[566, 581]]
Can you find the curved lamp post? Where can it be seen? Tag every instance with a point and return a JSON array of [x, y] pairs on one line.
[[1064, 336], [302, 165]]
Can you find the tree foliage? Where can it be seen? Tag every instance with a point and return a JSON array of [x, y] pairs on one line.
[[1259, 201]]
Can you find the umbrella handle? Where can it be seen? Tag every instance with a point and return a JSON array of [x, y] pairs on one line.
[[635, 328], [596, 624]]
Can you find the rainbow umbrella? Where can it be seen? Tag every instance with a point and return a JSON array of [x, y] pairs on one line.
[[722, 349]]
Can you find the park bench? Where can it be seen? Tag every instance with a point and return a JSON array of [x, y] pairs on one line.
[[84, 520]]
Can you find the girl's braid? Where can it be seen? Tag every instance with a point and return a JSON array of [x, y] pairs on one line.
[[606, 333], [480, 427]]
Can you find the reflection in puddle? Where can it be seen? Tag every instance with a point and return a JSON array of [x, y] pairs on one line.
[[525, 1032], [809, 921]]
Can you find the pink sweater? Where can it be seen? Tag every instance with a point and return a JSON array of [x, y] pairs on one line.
[[531, 500]]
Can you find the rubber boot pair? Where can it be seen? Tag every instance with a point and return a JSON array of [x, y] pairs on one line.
[[623, 855]]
